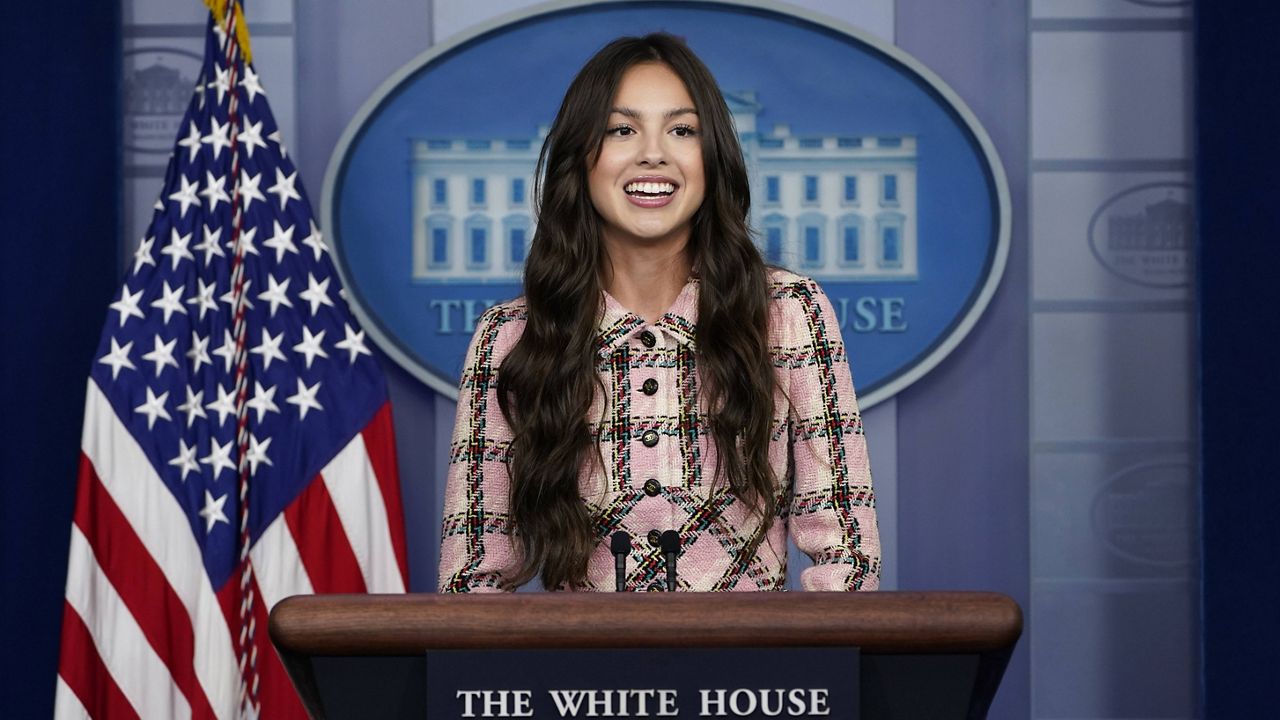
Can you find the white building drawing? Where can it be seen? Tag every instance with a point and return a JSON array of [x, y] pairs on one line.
[[832, 207]]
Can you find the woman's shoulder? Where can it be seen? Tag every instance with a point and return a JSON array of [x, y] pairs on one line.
[[785, 286], [498, 328]]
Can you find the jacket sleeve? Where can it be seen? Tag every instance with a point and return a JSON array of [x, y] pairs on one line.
[[832, 514], [475, 544]]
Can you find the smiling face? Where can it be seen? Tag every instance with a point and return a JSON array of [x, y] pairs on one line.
[[647, 181]]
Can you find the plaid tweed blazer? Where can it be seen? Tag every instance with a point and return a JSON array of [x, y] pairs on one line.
[[659, 459]]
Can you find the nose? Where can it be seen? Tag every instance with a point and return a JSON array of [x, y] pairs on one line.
[[651, 151]]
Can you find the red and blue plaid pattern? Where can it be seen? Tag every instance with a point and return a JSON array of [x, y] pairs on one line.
[[818, 454]]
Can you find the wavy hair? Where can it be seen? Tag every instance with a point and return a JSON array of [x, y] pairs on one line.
[[547, 382]]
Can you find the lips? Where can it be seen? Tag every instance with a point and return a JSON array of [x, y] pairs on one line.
[[650, 191]]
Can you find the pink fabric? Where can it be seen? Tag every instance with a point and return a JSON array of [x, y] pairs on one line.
[[818, 453]]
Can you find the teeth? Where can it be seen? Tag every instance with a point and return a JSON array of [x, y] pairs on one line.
[[650, 188]]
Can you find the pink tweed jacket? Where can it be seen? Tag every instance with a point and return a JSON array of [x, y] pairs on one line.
[[658, 459]]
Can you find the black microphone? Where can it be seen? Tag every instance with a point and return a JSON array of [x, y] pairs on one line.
[[620, 546], [670, 542]]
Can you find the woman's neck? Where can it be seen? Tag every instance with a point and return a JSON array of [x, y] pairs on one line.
[[645, 279]]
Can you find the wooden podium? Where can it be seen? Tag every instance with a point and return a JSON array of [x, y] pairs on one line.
[[923, 654]]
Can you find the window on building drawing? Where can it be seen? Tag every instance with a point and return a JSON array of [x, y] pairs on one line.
[[477, 191]]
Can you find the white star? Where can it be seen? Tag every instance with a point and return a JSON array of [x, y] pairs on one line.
[[281, 241], [212, 511], [317, 293], [211, 244], [118, 358], [310, 345], [225, 405], [263, 400], [229, 296], [217, 136], [198, 353], [142, 256], [186, 196], [252, 86], [154, 407], [162, 354], [275, 293], [353, 343], [222, 36], [192, 141], [171, 302], [269, 349], [257, 453], [250, 135], [177, 248], [223, 83], [193, 407], [275, 137], [305, 399], [249, 189], [245, 239], [127, 305], [284, 187], [228, 350], [213, 190], [204, 297], [315, 241], [186, 460]]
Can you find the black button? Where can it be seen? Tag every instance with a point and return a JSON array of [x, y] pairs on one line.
[[655, 538], [652, 487], [648, 339], [649, 438], [649, 387], [656, 587]]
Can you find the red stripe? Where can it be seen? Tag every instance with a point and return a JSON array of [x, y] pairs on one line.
[[83, 671], [141, 584], [275, 690], [380, 444], [322, 542]]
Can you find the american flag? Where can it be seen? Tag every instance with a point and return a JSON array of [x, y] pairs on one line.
[[237, 441]]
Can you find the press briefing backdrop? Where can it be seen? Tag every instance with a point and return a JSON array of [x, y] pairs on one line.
[[1047, 456]]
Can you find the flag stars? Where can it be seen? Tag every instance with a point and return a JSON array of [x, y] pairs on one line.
[[305, 399], [203, 297], [276, 294], [263, 400], [219, 458], [315, 241], [154, 407], [211, 244], [317, 293], [252, 86], [198, 353], [251, 135], [186, 460], [229, 297], [178, 249], [284, 187], [217, 137], [222, 83], [118, 358], [310, 346], [191, 142], [227, 351], [269, 348], [162, 355], [193, 407], [249, 189], [353, 343], [212, 511], [281, 240], [170, 301], [213, 191], [225, 406], [186, 195], [257, 454], [142, 256], [245, 241], [127, 305], [279, 141]]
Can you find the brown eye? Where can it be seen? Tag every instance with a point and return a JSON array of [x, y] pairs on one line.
[[620, 130], [684, 131]]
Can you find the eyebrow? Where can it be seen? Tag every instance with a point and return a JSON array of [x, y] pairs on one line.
[[674, 112]]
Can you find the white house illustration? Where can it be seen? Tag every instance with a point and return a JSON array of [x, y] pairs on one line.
[[833, 207]]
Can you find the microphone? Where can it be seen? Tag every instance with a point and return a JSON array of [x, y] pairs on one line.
[[670, 542], [620, 546]]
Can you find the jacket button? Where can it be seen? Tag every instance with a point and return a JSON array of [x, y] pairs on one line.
[[649, 387], [649, 438], [652, 487], [655, 538], [648, 339], [656, 587]]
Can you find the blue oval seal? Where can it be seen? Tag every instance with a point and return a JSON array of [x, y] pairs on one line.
[[868, 174]]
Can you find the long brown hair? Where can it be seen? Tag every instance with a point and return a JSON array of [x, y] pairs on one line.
[[547, 382]]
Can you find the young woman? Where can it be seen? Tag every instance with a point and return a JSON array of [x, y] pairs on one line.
[[655, 375]]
